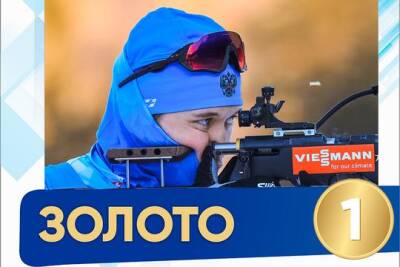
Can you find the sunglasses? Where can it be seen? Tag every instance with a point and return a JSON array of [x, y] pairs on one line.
[[212, 52]]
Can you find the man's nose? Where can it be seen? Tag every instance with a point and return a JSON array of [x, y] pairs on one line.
[[219, 136]]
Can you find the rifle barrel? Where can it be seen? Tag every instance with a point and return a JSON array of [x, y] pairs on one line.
[[225, 148]]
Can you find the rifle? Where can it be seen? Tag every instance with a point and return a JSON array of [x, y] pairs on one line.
[[297, 153]]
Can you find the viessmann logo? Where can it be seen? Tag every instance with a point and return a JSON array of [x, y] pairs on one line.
[[324, 157], [334, 159]]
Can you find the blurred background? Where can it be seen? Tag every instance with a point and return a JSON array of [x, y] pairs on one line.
[[288, 44]]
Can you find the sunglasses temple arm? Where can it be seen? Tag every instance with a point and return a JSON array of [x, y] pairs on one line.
[[156, 66]]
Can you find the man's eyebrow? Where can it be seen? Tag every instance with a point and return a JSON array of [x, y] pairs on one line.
[[206, 115]]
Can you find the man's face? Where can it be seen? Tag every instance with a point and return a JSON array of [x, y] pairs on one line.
[[198, 128]]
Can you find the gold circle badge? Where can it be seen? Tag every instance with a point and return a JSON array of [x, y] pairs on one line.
[[353, 219]]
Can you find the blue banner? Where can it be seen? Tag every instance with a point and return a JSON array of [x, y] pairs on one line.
[[75, 226]]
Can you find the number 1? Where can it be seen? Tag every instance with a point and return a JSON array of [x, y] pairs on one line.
[[353, 204]]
